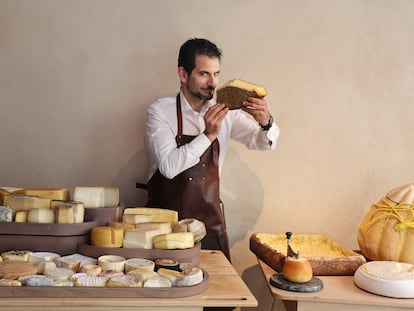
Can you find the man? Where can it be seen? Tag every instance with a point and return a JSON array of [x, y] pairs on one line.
[[187, 136]]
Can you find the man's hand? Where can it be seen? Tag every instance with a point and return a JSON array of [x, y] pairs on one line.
[[257, 107], [213, 118]]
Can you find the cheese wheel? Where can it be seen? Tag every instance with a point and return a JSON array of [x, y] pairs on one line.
[[41, 216], [167, 263], [91, 269], [386, 278], [107, 236], [139, 263], [195, 226], [95, 197], [112, 262]]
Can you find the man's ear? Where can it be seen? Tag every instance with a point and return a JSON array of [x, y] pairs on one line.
[[182, 74]]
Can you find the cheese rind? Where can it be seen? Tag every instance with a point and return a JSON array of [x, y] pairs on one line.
[[64, 214], [139, 263], [112, 262]]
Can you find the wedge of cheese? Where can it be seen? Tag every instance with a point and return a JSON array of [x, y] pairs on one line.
[[140, 238], [125, 281], [21, 216], [74, 261], [94, 197], [49, 193], [158, 214], [105, 236], [193, 277], [174, 240]]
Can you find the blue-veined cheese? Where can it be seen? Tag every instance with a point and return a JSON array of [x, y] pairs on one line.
[[6, 214]]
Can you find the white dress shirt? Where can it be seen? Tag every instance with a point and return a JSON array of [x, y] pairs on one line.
[[161, 130]]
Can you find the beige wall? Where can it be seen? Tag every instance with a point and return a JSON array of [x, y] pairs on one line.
[[76, 77]]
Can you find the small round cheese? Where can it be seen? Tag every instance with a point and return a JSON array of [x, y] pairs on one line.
[[112, 262]]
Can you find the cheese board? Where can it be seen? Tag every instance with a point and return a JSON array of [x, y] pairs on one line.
[[107, 292]]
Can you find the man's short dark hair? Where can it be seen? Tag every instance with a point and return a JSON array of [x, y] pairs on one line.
[[193, 47]]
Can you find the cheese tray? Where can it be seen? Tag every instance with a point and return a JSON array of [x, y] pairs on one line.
[[326, 256], [107, 292]]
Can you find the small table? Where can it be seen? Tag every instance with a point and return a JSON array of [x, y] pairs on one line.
[[339, 293], [225, 289]]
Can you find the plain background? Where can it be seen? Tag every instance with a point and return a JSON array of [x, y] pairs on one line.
[[76, 77]]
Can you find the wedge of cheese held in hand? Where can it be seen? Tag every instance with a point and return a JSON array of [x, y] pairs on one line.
[[234, 92]]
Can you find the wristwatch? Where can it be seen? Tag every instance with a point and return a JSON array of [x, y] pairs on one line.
[[268, 125]]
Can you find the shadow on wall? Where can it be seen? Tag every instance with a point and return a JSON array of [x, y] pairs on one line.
[[135, 170], [242, 194]]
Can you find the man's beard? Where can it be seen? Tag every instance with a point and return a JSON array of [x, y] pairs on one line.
[[200, 96]]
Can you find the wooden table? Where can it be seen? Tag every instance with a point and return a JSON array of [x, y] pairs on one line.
[[225, 289], [339, 293]]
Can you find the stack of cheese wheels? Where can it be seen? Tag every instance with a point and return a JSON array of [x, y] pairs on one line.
[[386, 278], [386, 232]]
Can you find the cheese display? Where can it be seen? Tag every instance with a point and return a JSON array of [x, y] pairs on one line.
[[386, 232], [107, 236], [25, 202], [49, 193], [158, 214], [234, 92], [6, 214], [95, 197], [174, 240], [326, 256], [140, 238], [386, 278], [41, 216], [195, 226]]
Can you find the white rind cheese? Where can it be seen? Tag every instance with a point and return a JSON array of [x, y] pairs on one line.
[[140, 238], [179, 279], [157, 281], [41, 216], [95, 197]]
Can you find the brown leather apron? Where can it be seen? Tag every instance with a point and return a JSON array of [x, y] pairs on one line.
[[194, 193]]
